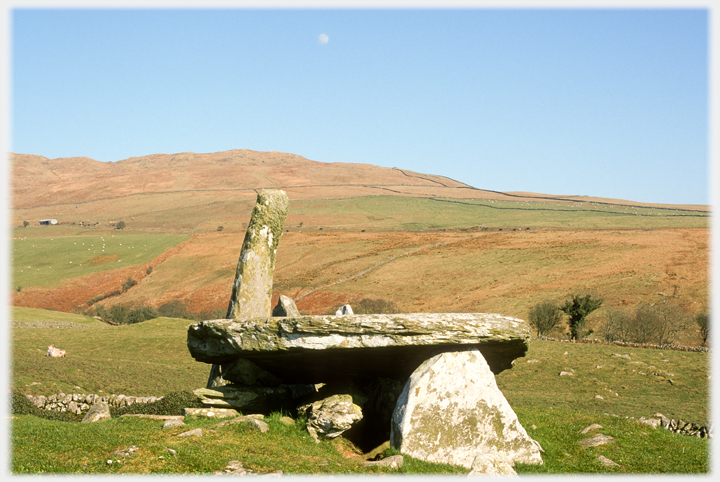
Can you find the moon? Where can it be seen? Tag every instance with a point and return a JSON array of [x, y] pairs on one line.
[[323, 39]]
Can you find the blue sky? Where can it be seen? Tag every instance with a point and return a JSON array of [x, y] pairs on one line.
[[600, 102]]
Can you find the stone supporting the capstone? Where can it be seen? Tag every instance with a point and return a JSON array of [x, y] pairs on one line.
[[252, 289], [451, 411]]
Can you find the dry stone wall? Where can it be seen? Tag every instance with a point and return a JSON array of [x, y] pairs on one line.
[[629, 344], [80, 403]]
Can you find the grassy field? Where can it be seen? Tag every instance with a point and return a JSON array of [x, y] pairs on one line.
[[421, 214], [202, 212], [151, 358], [47, 261]]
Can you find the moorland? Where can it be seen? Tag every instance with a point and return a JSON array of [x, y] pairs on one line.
[[354, 232]]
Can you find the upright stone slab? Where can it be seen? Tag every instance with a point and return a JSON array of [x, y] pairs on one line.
[[252, 289], [451, 411]]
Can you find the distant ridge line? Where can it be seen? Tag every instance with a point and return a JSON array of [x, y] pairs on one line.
[[373, 186]]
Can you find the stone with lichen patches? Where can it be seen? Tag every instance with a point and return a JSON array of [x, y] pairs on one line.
[[323, 349], [252, 288], [451, 410]]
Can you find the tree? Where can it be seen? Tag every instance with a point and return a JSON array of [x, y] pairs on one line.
[[545, 316], [659, 324], [374, 306], [618, 323], [174, 309], [577, 309], [120, 225], [25, 224], [702, 320]]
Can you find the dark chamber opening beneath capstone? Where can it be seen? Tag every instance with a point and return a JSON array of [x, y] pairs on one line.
[[397, 362]]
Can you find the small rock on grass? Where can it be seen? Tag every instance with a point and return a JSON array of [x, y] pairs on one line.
[[607, 462], [287, 421], [393, 462], [173, 423], [192, 433], [126, 451], [590, 428], [253, 420], [235, 467], [598, 439]]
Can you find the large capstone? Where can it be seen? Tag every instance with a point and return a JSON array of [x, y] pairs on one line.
[[451, 411], [324, 349]]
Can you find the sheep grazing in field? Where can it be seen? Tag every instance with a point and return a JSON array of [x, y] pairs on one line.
[[55, 352]]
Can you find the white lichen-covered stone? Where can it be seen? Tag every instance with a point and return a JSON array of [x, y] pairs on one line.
[[451, 411], [331, 416]]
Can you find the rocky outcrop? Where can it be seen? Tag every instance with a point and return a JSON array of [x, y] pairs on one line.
[[451, 411], [322, 349]]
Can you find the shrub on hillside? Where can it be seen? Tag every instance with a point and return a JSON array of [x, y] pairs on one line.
[[578, 308], [126, 315], [20, 405], [658, 324], [545, 316], [174, 309], [702, 321], [171, 404], [369, 306], [127, 284], [216, 314], [97, 298], [140, 314], [617, 324]]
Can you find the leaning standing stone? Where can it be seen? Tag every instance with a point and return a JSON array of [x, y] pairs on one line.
[[252, 288], [451, 411]]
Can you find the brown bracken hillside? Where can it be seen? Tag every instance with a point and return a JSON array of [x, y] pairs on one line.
[[347, 236]]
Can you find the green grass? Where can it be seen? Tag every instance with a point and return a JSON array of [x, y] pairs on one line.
[[634, 387], [48, 446], [28, 315], [151, 358], [638, 448], [47, 261], [143, 359], [417, 214]]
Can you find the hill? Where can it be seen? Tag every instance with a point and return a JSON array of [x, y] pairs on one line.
[[354, 231]]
